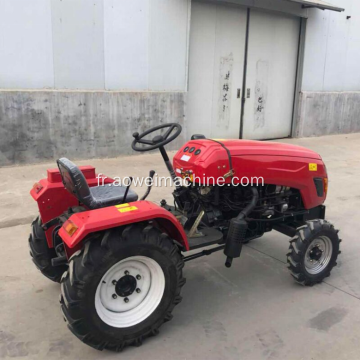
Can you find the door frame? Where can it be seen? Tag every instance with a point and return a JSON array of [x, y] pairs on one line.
[[243, 95], [299, 64], [299, 76]]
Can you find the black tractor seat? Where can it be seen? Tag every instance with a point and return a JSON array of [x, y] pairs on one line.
[[92, 197]]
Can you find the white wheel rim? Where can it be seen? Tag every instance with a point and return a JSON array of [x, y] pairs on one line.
[[325, 251], [113, 308]]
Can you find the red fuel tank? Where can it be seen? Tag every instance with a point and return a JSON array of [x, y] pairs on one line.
[[208, 162]]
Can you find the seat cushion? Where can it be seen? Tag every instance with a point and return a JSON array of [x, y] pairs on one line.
[[110, 194]]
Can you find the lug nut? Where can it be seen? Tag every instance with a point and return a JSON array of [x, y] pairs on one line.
[[114, 282], [114, 296], [126, 272], [138, 277], [138, 290], [126, 300]]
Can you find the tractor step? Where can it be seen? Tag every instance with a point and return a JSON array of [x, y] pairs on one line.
[[210, 237]]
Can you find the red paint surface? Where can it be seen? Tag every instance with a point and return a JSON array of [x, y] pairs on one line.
[[53, 200], [110, 217], [277, 163]]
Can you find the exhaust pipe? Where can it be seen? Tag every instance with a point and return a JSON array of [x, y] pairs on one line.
[[237, 230]]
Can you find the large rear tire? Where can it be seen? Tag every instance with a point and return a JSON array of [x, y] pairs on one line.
[[313, 252], [121, 287], [41, 254]]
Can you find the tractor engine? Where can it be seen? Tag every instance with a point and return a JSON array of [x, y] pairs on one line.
[[223, 203]]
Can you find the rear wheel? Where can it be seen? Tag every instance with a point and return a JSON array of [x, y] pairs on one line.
[[313, 252], [41, 254], [121, 288]]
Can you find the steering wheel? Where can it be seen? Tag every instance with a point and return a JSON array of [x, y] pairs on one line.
[[157, 141]]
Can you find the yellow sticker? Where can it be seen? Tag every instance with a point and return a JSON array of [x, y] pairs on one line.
[[187, 175], [312, 167], [122, 205], [126, 209]]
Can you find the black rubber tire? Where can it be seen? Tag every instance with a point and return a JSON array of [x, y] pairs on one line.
[[41, 254], [299, 244], [88, 266]]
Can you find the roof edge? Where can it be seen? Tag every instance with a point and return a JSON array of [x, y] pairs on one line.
[[318, 4]]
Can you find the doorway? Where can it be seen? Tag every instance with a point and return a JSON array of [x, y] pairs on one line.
[[223, 49]]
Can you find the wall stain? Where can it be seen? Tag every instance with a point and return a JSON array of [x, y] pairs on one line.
[[226, 69], [261, 90]]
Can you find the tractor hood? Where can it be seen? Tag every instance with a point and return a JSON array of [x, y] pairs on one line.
[[252, 147], [201, 148], [206, 161]]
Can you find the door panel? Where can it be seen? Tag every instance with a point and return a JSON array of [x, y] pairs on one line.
[[271, 69], [217, 43]]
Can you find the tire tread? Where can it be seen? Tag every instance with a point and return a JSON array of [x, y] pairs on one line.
[[83, 266], [41, 254], [297, 250]]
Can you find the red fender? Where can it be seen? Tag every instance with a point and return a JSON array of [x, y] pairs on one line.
[[91, 221]]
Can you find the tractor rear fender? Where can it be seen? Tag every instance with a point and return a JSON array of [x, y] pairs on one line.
[[81, 224]]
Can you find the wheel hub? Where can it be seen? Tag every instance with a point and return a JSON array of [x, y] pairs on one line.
[[125, 286], [318, 255], [315, 253], [129, 291]]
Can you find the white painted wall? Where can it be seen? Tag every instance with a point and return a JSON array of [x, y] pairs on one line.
[[146, 44], [26, 54], [143, 44], [332, 49], [126, 44], [78, 43], [97, 44]]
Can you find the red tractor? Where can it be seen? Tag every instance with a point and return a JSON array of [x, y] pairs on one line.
[[120, 259]]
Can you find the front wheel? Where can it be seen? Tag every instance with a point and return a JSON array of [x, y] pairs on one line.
[[122, 287], [313, 252]]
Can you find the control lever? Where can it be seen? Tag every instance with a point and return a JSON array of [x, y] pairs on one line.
[[151, 175], [127, 189]]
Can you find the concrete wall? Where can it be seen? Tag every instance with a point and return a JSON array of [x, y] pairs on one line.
[[325, 113], [44, 125]]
